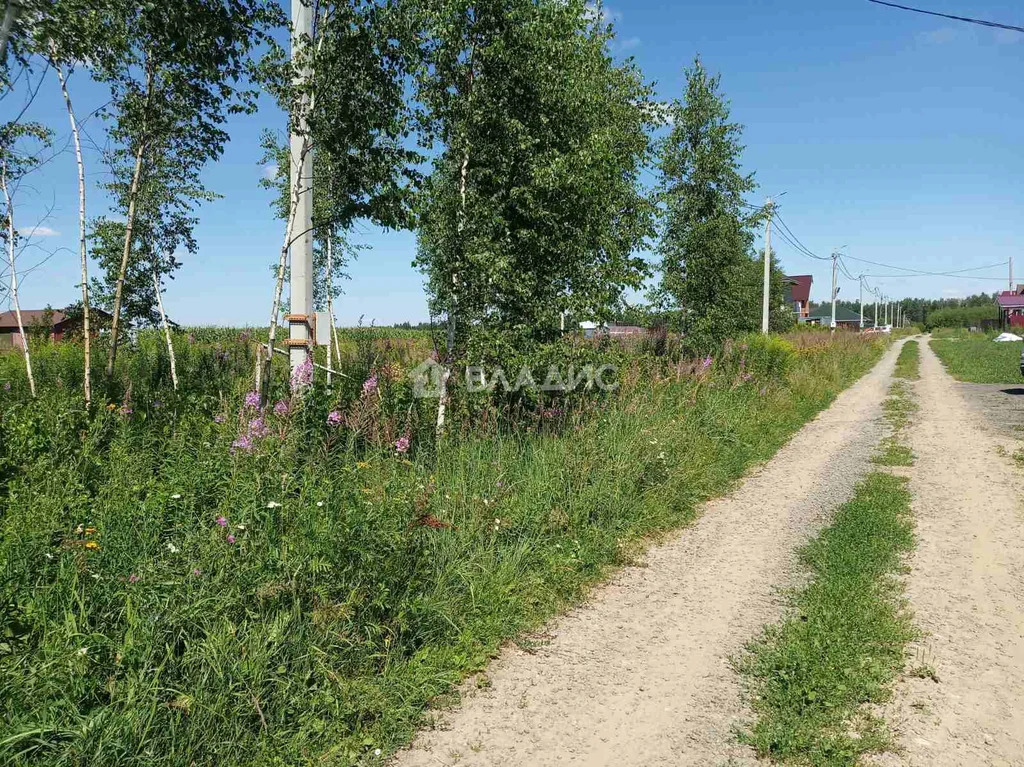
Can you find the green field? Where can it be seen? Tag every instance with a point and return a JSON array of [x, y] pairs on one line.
[[977, 359], [187, 580]]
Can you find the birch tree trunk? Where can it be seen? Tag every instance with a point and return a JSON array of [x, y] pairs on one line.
[[167, 330], [133, 194], [14, 279], [442, 401], [330, 305], [83, 253]]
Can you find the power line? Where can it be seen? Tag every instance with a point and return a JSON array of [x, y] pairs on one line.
[[993, 24]]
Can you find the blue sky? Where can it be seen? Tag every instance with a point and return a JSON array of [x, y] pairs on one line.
[[893, 134]]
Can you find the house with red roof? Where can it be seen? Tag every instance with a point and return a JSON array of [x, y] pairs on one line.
[[1011, 307], [51, 323], [798, 294]]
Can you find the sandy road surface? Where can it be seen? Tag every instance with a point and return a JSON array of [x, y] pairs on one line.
[[640, 675], [966, 587]]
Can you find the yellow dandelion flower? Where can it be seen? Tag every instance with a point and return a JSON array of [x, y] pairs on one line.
[[92, 545]]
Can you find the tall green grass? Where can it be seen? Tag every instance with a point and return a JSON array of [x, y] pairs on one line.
[[166, 599], [978, 359], [908, 364], [811, 675]]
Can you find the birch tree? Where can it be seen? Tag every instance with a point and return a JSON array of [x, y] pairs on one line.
[[182, 75], [534, 205]]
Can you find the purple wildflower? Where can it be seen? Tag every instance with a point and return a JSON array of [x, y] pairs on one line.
[[195, 571], [7, 386], [133, 578], [764, 390], [244, 336], [302, 376], [219, 418], [334, 417], [252, 399], [706, 363], [402, 444], [242, 443], [257, 428], [222, 521], [282, 408], [126, 409], [230, 538], [370, 385]]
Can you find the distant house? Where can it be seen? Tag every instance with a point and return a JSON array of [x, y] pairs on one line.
[[845, 318], [1011, 307], [57, 325], [613, 330], [798, 293]]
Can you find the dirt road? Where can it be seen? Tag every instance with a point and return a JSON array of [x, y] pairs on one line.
[[966, 587], [640, 675]]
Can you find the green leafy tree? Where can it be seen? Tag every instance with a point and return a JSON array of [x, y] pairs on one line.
[[534, 206], [180, 77], [706, 237]]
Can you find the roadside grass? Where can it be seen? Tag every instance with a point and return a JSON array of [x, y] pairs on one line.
[[811, 675], [974, 359], [892, 452], [908, 364], [899, 406], [166, 599]]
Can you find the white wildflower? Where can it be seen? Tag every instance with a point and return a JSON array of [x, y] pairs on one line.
[[172, 548], [319, 504], [176, 497], [83, 650], [273, 505], [240, 527], [376, 752], [48, 555]]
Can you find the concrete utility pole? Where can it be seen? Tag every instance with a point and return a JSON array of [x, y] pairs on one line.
[[835, 265], [300, 320], [860, 281], [1011, 272], [769, 207]]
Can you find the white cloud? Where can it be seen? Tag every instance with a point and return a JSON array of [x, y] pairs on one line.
[[604, 13], [628, 44], [270, 170], [39, 231], [952, 293]]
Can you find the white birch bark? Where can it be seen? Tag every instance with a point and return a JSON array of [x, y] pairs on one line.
[[11, 234]]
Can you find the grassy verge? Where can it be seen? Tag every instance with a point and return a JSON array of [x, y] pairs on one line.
[[168, 599], [811, 675], [908, 364], [975, 359]]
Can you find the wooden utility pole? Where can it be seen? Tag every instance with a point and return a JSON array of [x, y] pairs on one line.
[[300, 320], [765, 298]]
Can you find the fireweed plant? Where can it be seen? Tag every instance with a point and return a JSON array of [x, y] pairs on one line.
[[196, 579]]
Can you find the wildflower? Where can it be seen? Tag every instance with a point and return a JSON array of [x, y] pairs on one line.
[[252, 400], [126, 410], [242, 443], [222, 521], [92, 545], [172, 548], [764, 390], [362, 465], [95, 576], [402, 444], [319, 504], [244, 336], [376, 752], [230, 538], [48, 555], [273, 505], [111, 406], [661, 456], [176, 497], [334, 417], [258, 429], [195, 571], [133, 578], [90, 531], [219, 418], [370, 385], [83, 651], [7, 386], [498, 483], [281, 407], [302, 376], [80, 529], [706, 363], [240, 527]]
